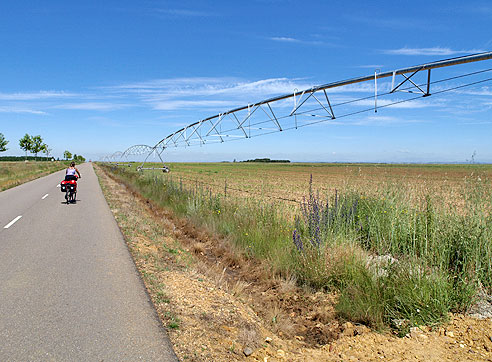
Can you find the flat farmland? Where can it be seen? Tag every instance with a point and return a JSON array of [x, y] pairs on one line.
[[14, 173], [290, 182], [428, 227]]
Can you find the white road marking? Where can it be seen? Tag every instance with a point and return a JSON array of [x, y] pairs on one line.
[[58, 185], [45, 196], [12, 222]]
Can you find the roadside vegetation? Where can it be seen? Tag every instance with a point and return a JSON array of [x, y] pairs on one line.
[[398, 256], [15, 173], [15, 170]]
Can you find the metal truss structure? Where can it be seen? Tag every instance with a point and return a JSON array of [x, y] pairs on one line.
[[123, 158], [325, 103]]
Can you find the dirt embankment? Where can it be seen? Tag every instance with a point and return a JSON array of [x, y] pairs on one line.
[[219, 306]]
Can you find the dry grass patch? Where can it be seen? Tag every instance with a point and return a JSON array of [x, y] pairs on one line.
[[16, 173]]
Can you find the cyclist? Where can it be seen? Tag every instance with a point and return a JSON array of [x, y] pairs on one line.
[[71, 172]]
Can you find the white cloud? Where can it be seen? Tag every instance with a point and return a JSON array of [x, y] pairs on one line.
[[35, 95], [389, 103], [478, 123], [189, 104], [91, 106], [484, 91], [185, 12], [369, 66], [285, 39], [184, 93], [429, 51], [386, 120], [14, 109], [172, 84]]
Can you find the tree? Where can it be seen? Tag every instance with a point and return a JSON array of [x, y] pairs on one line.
[[79, 159], [46, 150], [37, 145], [67, 155], [25, 143], [3, 143]]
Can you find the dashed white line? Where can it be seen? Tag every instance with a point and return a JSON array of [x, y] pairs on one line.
[[12, 222], [45, 196], [58, 185]]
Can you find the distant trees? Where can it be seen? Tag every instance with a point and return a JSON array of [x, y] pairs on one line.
[[37, 145], [77, 158], [3, 143], [25, 143], [33, 144], [46, 150], [267, 160]]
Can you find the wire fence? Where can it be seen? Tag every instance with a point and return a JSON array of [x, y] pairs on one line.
[[227, 188]]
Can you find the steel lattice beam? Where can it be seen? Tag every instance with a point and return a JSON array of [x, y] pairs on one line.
[[308, 106], [246, 121]]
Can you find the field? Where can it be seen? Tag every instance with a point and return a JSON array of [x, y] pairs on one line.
[[397, 246], [15, 173], [290, 183]]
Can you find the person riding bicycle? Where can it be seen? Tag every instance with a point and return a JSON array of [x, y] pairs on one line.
[[70, 173]]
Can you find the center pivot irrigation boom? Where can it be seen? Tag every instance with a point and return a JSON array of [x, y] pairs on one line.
[[122, 158], [324, 103]]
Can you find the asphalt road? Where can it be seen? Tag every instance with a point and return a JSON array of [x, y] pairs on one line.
[[69, 290]]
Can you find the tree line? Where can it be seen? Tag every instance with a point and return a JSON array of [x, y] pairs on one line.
[[34, 145]]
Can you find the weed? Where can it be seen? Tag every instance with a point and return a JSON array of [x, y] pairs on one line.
[[441, 251]]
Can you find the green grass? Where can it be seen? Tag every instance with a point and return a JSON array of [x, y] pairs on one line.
[[441, 249], [15, 173]]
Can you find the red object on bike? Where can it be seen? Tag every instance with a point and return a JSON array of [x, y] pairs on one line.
[[64, 184]]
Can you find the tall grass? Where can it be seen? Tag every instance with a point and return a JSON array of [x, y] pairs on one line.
[[439, 254], [257, 228], [396, 260]]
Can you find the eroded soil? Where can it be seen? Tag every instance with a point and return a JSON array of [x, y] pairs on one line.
[[218, 305]]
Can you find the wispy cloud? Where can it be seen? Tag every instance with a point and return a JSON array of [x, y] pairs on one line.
[[396, 23], [191, 104], [91, 106], [36, 95], [185, 93], [395, 103], [484, 91], [481, 9], [369, 66], [15, 109], [477, 123], [185, 12], [430, 51], [286, 39], [387, 120]]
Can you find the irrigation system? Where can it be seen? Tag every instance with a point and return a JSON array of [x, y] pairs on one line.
[[324, 103]]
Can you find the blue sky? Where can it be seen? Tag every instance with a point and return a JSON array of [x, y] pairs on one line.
[[96, 77]]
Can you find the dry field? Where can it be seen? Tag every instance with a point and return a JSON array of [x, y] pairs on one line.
[[289, 183], [15, 173]]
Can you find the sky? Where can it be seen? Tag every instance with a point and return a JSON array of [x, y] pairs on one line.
[[96, 77]]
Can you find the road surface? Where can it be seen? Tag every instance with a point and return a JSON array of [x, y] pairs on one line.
[[69, 290]]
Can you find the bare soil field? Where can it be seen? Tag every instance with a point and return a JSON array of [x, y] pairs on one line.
[[220, 306]]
